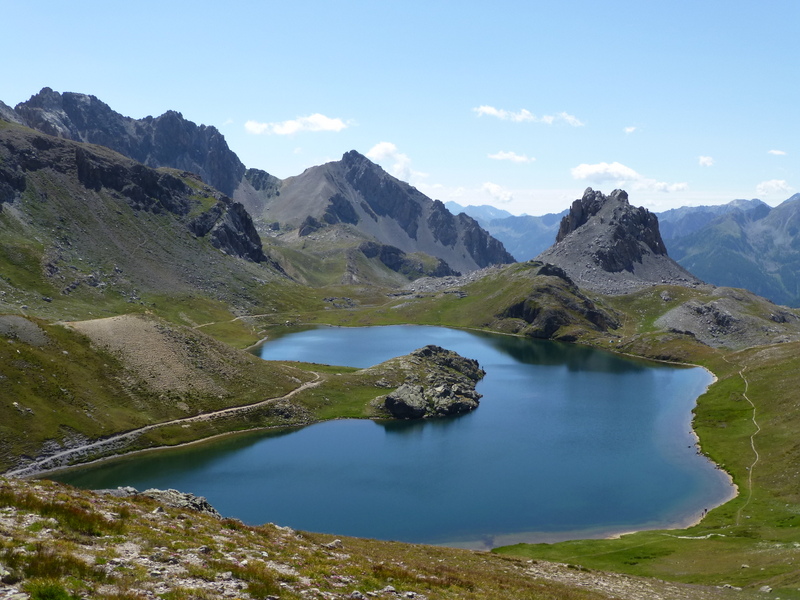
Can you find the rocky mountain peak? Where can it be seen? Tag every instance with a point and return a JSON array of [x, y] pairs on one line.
[[356, 191], [606, 244], [626, 223], [355, 158], [169, 140]]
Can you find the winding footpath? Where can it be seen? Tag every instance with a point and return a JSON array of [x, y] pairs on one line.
[[752, 445], [118, 441]]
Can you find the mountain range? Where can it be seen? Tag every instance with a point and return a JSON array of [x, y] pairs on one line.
[[368, 226], [358, 203], [81, 220]]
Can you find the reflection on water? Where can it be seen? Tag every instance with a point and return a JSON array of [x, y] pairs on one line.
[[566, 439], [547, 353]]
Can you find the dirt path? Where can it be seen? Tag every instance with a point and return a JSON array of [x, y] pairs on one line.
[[118, 441], [752, 466], [752, 445], [239, 318]]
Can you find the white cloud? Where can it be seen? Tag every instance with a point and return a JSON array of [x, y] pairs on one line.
[[777, 152], [604, 172], [398, 164], [622, 175], [497, 192], [315, 122], [526, 116], [570, 119], [773, 186], [660, 186], [505, 115], [629, 130], [705, 161], [511, 156]]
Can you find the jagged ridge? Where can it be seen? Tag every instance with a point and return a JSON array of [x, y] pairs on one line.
[[607, 245], [356, 191]]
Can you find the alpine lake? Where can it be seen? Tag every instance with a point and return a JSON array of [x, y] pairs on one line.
[[568, 442]]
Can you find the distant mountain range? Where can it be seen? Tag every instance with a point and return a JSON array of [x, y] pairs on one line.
[[747, 244], [523, 236]]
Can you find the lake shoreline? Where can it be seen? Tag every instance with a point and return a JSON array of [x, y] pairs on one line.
[[500, 540]]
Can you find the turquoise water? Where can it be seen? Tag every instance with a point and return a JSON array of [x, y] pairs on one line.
[[567, 442]]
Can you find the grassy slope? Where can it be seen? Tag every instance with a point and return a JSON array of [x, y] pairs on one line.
[[67, 390]]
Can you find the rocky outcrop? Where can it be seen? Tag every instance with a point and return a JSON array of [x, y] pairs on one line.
[[730, 318], [553, 302], [173, 498], [607, 245], [8, 114], [231, 230], [447, 387], [399, 261], [165, 141]]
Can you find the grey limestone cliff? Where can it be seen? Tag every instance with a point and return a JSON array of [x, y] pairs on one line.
[[607, 245]]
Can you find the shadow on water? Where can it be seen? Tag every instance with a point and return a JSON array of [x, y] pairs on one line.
[[169, 464], [413, 428], [573, 357]]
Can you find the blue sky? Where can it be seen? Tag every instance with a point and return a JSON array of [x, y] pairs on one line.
[[521, 105]]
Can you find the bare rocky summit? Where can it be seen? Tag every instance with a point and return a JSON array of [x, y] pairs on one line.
[[165, 141], [358, 193], [608, 246]]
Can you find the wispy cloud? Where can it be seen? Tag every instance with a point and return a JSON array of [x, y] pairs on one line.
[[777, 152], [629, 130], [497, 192], [773, 186], [623, 175], [315, 122], [505, 115], [394, 161], [705, 161], [512, 156], [525, 115]]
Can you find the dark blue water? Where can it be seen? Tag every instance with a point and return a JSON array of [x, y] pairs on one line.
[[567, 442]]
